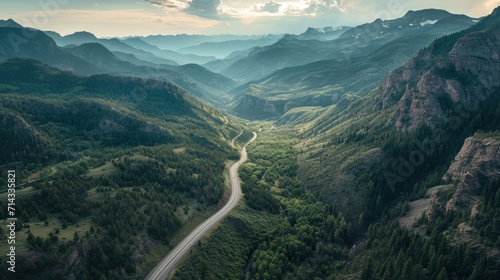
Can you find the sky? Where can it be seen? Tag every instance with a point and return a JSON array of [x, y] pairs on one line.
[[108, 18]]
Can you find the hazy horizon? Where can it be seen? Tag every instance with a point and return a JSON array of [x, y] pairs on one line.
[[124, 18]]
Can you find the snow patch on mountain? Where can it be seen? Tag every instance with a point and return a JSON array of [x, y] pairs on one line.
[[428, 22]]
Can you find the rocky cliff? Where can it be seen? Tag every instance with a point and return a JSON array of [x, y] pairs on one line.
[[457, 70], [477, 162]]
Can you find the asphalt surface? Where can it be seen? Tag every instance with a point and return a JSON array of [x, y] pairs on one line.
[[167, 265]]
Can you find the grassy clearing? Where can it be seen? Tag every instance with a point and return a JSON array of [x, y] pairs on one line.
[[109, 169], [104, 170], [180, 150], [39, 228]]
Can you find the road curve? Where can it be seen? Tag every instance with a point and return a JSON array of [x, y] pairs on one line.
[[234, 139], [167, 265]]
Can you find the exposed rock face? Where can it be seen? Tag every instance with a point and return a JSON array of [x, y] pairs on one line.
[[108, 126], [252, 106], [152, 128], [18, 126], [424, 206], [476, 163], [466, 74]]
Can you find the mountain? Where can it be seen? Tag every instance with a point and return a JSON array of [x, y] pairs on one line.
[[288, 51], [206, 77], [323, 34], [179, 41], [465, 73], [93, 58], [9, 23], [99, 56], [114, 45], [220, 64], [225, 48], [60, 41], [179, 58], [30, 43], [413, 22], [426, 109], [324, 82], [355, 42], [80, 37]]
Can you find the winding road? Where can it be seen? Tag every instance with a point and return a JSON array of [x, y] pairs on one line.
[[167, 265]]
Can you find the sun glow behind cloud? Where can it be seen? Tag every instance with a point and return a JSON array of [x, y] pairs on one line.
[[224, 9]]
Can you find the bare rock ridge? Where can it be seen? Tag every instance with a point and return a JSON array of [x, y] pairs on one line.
[[477, 162], [465, 72], [475, 165]]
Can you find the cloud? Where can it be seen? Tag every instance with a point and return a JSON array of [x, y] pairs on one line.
[[201, 8], [204, 8], [331, 12], [226, 9], [270, 7], [171, 5]]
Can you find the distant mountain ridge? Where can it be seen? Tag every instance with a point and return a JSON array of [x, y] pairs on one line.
[[359, 60], [355, 42], [40, 47], [9, 23], [178, 57], [179, 41], [94, 57], [82, 37], [323, 34], [225, 48]]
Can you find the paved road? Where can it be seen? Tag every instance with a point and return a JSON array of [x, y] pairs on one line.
[[234, 139], [167, 265]]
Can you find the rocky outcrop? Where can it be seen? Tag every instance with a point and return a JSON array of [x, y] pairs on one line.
[[108, 126], [453, 70], [477, 162], [152, 128], [18, 126], [255, 107]]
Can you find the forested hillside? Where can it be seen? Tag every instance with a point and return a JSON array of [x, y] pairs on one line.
[[108, 169]]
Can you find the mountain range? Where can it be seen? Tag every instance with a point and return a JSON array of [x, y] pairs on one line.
[[382, 160], [94, 57], [353, 63]]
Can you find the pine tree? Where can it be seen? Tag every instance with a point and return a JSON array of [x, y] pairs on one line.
[[443, 275]]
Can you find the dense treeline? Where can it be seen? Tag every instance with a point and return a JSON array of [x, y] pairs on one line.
[[306, 237], [310, 230], [488, 218], [137, 200], [224, 254], [312, 240], [393, 252]]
